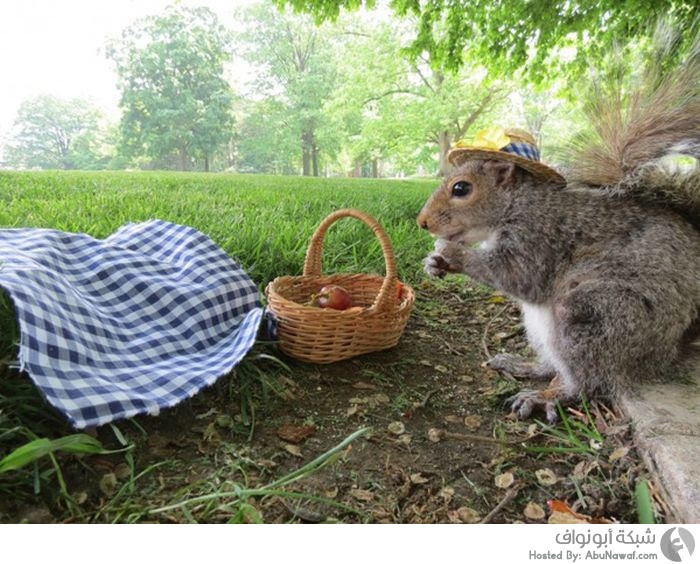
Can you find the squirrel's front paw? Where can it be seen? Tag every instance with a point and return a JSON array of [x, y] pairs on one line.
[[437, 265], [448, 257]]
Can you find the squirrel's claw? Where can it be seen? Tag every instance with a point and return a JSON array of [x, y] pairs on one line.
[[437, 265], [524, 403]]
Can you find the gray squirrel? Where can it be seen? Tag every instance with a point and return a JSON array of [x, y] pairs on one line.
[[604, 265]]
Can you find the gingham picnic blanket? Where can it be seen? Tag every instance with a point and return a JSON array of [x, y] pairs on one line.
[[130, 324]]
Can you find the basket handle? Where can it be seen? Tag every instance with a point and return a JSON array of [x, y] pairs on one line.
[[312, 263]]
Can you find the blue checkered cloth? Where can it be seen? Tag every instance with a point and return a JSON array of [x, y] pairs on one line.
[[126, 325]]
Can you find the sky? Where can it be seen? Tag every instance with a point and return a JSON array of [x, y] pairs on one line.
[[57, 47]]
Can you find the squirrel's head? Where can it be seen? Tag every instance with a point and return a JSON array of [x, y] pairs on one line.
[[470, 201]]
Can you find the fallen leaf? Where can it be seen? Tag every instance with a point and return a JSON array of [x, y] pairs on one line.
[[435, 435], [80, 497], [447, 493], [496, 299], [352, 410], [295, 433], [418, 478], [618, 453], [122, 471], [562, 514], [224, 421], [583, 468], [453, 419], [546, 477], [331, 494], [211, 435], [558, 518], [379, 399], [473, 422], [294, 450], [404, 439], [364, 386], [468, 515], [442, 369], [534, 511], [266, 463], [362, 495], [505, 480], [595, 445], [396, 428], [108, 484], [425, 362]]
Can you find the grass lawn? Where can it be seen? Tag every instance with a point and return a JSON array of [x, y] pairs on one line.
[[441, 447], [264, 222]]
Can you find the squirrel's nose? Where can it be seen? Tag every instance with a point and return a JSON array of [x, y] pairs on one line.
[[421, 221]]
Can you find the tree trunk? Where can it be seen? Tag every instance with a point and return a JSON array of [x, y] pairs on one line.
[[184, 158], [314, 158], [375, 168], [206, 163], [306, 149], [444, 142]]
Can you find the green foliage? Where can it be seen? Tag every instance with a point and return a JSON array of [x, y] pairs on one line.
[[295, 76], [38, 448], [645, 505], [55, 133], [175, 99], [506, 36], [265, 141], [572, 435]]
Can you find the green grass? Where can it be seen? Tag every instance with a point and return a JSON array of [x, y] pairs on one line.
[[264, 222]]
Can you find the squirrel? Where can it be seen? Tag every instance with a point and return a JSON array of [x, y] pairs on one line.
[[605, 264]]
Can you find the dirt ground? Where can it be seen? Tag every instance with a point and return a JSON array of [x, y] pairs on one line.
[[441, 446]]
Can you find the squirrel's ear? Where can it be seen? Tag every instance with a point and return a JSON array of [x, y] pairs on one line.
[[502, 171]]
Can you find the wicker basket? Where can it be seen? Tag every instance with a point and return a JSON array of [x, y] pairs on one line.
[[376, 320]]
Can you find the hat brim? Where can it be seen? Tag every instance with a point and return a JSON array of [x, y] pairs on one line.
[[460, 155]]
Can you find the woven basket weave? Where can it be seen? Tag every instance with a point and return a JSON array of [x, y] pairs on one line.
[[376, 320]]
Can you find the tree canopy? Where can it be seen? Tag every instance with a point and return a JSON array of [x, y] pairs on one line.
[[53, 132], [505, 36], [174, 96]]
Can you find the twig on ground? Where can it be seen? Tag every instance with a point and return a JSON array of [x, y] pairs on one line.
[[470, 437], [486, 330], [510, 495], [426, 398]]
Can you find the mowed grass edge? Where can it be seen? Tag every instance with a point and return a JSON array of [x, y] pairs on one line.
[[264, 222]]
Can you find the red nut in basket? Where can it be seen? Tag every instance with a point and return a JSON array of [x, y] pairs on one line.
[[332, 296]]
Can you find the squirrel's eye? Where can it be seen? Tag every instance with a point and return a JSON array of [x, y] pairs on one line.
[[461, 189]]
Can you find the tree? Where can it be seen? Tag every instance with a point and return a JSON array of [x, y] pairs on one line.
[[296, 77], [507, 35], [173, 93], [405, 104], [56, 133]]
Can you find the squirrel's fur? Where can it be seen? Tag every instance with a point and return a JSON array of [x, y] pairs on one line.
[[606, 269], [633, 123]]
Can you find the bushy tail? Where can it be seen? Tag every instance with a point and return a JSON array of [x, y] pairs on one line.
[[634, 121]]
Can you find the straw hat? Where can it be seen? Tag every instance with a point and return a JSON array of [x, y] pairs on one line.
[[514, 145]]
